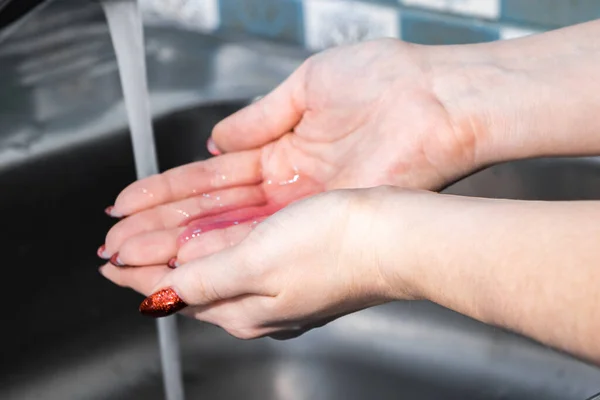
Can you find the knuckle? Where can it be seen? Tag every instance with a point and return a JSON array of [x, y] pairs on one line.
[[203, 288]]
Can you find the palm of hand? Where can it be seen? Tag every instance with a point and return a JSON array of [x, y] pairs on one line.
[[386, 128], [352, 117]]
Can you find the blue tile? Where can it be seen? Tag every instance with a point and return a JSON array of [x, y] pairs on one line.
[[425, 28], [385, 2], [551, 13], [278, 19]]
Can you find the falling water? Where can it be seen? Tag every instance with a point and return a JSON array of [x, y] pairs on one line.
[[125, 24]]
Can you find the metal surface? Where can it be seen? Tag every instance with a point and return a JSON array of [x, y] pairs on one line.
[[73, 335], [11, 11], [95, 345], [61, 87]]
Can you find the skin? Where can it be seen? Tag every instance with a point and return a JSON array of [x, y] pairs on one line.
[[419, 119]]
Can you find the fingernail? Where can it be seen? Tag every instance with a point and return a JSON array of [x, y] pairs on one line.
[[162, 304], [110, 211], [116, 261], [212, 147], [102, 253], [173, 263]]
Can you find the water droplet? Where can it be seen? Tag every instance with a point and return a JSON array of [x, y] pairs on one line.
[[290, 181], [185, 214], [148, 193], [206, 195], [223, 177]]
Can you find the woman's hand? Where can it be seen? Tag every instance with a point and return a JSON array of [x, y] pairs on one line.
[[351, 117], [312, 262], [522, 265]]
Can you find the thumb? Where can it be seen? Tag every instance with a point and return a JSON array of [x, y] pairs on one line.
[[200, 283], [264, 120]]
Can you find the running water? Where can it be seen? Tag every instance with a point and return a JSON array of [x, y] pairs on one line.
[[126, 29]]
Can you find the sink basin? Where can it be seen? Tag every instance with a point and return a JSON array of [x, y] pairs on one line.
[[70, 334]]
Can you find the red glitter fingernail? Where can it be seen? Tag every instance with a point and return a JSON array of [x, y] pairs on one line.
[[173, 263], [162, 304]]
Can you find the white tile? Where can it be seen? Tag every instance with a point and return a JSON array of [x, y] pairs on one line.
[[330, 23], [509, 32], [489, 9], [195, 14]]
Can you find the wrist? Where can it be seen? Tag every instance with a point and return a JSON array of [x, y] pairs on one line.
[[426, 238], [525, 98], [401, 221], [473, 86]]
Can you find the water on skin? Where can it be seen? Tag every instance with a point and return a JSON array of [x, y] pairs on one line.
[[126, 29], [198, 226], [285, 191], [222, 219]]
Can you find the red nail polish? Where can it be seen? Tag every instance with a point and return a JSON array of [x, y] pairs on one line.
[[173, 263], [212, 147], [161, 304], [116, 261], [102, 252]]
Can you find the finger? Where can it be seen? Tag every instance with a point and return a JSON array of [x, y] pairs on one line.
[[212, 242], [203, 282], [230, 170], [171, 215], [240, 316], [142, 280], [151, 248], [246, 318], [265, 120]]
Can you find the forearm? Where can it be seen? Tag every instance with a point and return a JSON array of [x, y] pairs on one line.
[[531, 97], [531, 267]]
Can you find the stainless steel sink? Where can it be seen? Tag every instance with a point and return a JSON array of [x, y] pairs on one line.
[[69, 334]]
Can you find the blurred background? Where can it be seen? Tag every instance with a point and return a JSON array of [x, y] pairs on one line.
[[65, 154]]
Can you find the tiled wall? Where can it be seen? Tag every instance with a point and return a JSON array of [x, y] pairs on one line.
[[317, 24]]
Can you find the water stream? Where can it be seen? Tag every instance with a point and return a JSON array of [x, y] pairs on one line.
[[126, 29]]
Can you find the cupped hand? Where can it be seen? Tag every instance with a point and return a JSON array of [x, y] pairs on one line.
[[351, 117], [312, 262]]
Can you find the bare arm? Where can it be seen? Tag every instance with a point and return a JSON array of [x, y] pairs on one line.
[[530, 97], [532, 267], [529, 266]]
